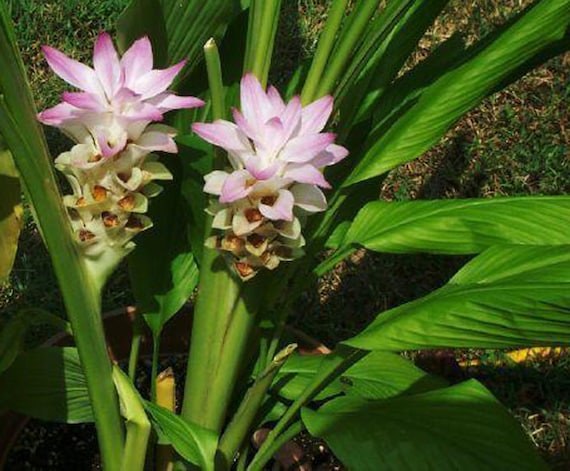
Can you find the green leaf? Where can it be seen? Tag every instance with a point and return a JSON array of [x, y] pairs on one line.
[[162, 268], [10, 212], [178, 30], [462, 427], [47, 384], [194, 443], [506, 297], [391, 38], [378, 375], [539, 32], [13, 334], [458, 226]]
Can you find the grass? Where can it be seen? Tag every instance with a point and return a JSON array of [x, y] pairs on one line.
[[515, 143]]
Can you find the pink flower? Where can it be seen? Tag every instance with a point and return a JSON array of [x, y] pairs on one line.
[[272, 146], [277, 152], [118, 97]]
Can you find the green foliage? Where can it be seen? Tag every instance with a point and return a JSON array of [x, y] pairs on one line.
[[460, 427], [379, 375], [536, 34], [453, 226], [13, 334], [194, 443], [48, 384], [508, 296]]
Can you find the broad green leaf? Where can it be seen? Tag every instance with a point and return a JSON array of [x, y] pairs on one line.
[[194, 443], [162, 267], [506, 297], [47, 384], [177, 29], [379, 375], [460, 428], [10, 212], [459, 226], [13, 335], [390, 40], [537, 32]]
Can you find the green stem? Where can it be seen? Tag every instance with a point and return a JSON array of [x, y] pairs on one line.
[[346, 45], [223, 320], [154, 366], [135, 345], [262, 46], [215, 80], [324, 49], [266, 453], [332, 367], [138, 425], [23, 135], [242, 421]]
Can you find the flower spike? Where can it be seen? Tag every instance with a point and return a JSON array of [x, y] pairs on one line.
[[112, 169], [277, 152]]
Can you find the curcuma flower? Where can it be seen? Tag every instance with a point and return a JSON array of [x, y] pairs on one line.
[[112, 169], [277, 152]]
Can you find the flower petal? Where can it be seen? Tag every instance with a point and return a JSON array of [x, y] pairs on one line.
[[316, 115], [276, 101], [215, 181], [330, 156], [306, 173], [309, 197], [223, 134], [156, 81], [110, 149], [85, 101], [77, 74], [235, 187], [169, 101], [137, 61], [305, 148], [157, 141], [255, 105], [106, 64], [58, 114], [281, 209]]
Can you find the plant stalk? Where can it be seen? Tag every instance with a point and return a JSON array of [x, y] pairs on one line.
[[323, 52], [333, 366], [346, 45], [266, 453], [242, 421]]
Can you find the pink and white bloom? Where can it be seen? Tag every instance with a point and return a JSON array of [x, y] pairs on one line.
[[112, 170], [277, 153]]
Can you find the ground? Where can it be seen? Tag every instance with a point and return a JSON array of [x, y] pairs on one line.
[[515, 143]]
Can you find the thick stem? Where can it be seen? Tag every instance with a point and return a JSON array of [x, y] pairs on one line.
[[324, 49], [223, 320]]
